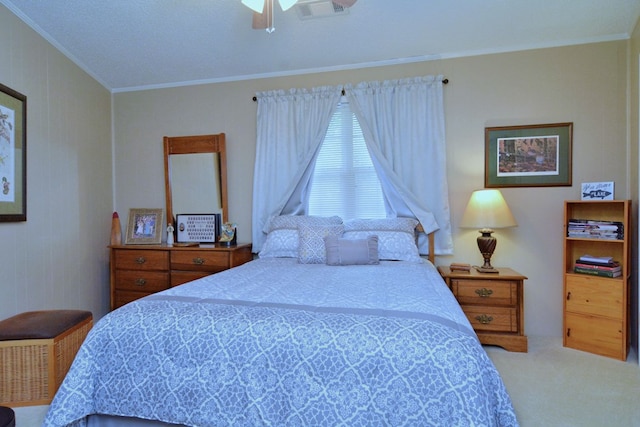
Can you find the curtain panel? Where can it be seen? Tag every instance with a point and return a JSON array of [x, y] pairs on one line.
[[291, 125], [403, 125]]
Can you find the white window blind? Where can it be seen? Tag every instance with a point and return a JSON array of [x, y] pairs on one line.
[[344, 181]]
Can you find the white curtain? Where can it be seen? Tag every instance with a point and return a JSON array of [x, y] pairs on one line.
[[291, 125], [403, 125]]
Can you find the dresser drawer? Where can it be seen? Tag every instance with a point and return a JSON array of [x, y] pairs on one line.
[[178, 277], [124, 297], [494, 319], [486, 292], [594, 295], [199, 260], [141, 260], [141, 280]]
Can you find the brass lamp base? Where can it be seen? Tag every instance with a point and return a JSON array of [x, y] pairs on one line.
[[486, 244]]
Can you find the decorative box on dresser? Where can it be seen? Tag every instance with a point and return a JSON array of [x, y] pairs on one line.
[[493, 303], [596, 309], [141, 270]]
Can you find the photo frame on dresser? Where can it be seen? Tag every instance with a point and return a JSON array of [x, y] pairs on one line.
[[145, 227], [528, 155], [13, 155]]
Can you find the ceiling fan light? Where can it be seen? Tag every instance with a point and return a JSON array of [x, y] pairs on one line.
[[287, 4], [255, 5]]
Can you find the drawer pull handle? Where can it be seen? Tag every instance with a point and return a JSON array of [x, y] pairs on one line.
[[484, 292], [568, 296], [198, 261], [484, 319], [140, 260], [141, 282]]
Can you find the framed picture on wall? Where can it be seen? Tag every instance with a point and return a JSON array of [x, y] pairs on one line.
[[528, 155], [145, 227], [13, 155]]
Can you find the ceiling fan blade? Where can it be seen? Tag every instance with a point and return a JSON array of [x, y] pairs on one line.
[[255, 5], [345, 3], [287, 4]]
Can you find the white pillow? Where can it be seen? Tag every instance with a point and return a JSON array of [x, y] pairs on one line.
[[396, 237], [312, 248], [283, 238]]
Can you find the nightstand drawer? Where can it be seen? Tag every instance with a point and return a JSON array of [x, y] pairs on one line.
[[486, 292], [494, 319], [199, 261], [141, 260], [141, 281]]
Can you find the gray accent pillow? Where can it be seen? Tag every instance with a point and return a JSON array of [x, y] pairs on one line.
[[341, 251]]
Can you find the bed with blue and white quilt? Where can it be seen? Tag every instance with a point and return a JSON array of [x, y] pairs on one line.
[[277, 342]]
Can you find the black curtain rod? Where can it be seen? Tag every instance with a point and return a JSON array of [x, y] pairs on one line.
[[444, 82]]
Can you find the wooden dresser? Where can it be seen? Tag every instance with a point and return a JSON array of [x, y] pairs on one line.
[[493, 303], [141, 270]]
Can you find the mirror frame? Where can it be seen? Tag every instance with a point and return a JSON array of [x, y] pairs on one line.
[[196, 144]]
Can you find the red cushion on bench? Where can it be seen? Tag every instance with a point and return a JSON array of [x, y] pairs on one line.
[[43, 324]]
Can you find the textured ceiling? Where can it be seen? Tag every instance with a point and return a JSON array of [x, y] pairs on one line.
[[133, 44]]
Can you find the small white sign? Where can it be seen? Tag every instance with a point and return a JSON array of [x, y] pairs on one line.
[[597, 191]]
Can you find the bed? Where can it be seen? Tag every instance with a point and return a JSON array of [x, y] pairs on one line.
[[363, 341]]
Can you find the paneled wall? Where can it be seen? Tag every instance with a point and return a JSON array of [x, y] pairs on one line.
[[58, 258]]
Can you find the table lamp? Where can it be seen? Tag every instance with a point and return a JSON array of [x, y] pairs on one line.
[[487, 210]]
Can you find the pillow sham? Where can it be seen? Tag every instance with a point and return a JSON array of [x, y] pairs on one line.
[[283, 238], [341, 251], [312, 248], [396, 237]]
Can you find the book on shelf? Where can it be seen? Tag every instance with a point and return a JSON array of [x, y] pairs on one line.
[[612, 266], [597, 259], [594, 229], [596, 272]]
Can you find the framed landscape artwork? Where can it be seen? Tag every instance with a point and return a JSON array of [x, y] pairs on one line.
[[528, 156]]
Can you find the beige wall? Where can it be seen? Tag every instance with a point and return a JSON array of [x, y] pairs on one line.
[[58, 257], [634, 143], [584, 84]]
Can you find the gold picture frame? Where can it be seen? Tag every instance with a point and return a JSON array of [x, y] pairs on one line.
[[145, 227]]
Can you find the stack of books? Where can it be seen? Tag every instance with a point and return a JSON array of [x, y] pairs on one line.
[[593, 229], [598, 266], [460, 267]]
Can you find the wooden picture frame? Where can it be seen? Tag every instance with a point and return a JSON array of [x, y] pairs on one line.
[[528, 155], [145, 227], [13, 155]]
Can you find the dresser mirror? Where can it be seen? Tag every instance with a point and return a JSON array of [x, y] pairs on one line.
[[195, 172]]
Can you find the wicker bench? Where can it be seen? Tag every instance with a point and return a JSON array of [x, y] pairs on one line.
[[36, 351]]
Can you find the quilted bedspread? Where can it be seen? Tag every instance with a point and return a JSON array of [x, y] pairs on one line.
[[276, 343]]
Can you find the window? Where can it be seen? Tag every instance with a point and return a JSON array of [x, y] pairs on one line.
[[344, 181]]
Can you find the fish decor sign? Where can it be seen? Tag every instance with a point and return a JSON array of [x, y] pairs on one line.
[[597, 191]]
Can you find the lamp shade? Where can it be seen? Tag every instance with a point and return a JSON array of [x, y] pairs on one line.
[[487, 209]]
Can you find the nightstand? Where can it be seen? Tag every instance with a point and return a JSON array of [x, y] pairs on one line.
[[493, 303]]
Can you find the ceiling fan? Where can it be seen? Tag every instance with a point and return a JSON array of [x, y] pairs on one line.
[[263, 11]]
